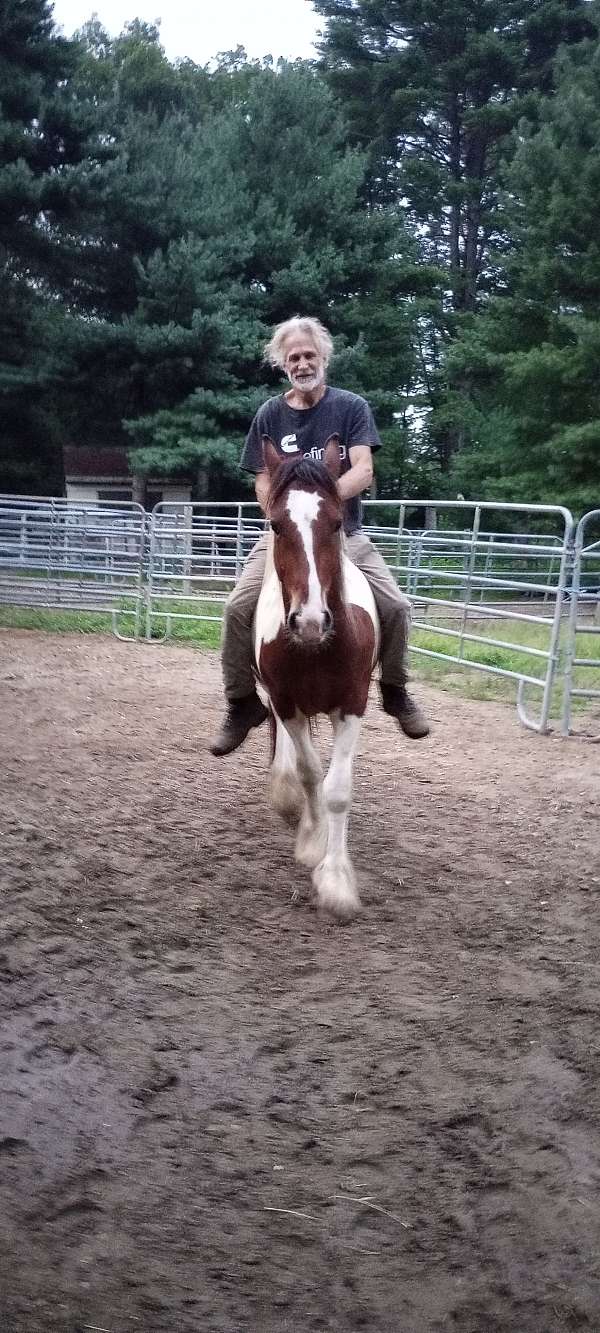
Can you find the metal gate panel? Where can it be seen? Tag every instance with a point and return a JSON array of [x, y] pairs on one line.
[[72, 555], [197, 551], [475, 575]]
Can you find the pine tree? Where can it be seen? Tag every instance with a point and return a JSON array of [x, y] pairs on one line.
[[533, 412], [221, 216], [44, 137], [434, 90]]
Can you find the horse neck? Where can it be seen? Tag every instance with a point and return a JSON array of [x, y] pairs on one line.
[[337, 594]]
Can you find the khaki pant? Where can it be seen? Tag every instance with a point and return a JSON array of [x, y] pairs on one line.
[[392, 605]]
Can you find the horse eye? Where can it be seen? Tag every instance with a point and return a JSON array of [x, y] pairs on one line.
[[337, 526], [276, 528]]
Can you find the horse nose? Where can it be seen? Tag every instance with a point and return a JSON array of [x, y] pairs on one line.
[[310, 628]]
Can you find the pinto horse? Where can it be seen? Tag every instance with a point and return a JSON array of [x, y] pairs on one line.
[[316, 643]]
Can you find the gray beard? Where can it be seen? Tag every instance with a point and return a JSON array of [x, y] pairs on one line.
[[307, 385]]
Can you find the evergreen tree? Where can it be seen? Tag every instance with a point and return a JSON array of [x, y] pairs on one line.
[[220, 216], [533, 411], [434, 91], [44, 140]]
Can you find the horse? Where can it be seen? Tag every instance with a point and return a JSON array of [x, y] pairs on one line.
[[316, 642]]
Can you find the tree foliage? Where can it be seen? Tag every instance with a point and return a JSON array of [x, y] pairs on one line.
[[429, 190], [531, 358], [223, 209], [434, 93], [46, 141], [434, 90]]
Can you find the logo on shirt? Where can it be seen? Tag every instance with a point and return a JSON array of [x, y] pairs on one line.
[[318, 454], [288, 444]]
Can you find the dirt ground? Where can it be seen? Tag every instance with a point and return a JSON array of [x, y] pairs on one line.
[[219, 1113]]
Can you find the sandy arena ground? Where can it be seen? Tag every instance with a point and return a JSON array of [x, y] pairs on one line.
[[219, 1113]]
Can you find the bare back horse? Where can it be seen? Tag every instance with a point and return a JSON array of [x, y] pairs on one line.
[[316, 644]]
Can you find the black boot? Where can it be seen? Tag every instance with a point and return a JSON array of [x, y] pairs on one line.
[[241, 716], [397, 702]]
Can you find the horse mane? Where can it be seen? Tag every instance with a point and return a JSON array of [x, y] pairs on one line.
[[304, 472]]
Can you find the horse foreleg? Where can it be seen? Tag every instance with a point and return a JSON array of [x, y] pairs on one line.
[[334, 878], [311, 839], [285, 788]]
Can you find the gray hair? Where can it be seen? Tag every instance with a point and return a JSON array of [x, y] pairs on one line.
[[303, 326]]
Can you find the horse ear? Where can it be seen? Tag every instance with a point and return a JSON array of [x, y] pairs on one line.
[[272, 459], [331, 456]]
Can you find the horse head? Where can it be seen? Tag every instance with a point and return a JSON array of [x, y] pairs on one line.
[[305, 511]]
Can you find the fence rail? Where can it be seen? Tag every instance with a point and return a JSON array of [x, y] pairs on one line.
[[481, 581]]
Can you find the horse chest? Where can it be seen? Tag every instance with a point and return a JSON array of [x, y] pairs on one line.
[[320, 681]]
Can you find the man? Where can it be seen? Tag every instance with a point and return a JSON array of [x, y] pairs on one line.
[[301, 421]]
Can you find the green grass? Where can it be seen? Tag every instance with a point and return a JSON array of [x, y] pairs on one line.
[[450, 676], [204, 632], [61, 622], [481, 685]]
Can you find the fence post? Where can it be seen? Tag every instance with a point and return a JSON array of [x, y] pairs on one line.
[[51, 540], [150, 572], [571, 658], [239, 544], [553, 647], [574, 568], [187, 548], [469, 579], [399, 537]]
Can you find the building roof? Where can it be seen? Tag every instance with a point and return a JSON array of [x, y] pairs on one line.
[[86, 462]]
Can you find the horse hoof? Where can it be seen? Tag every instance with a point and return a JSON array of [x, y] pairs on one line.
[[336, 893], [310, 852], [287, 797], [311, 845]]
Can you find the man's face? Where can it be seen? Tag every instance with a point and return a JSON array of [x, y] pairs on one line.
[[303, 364]]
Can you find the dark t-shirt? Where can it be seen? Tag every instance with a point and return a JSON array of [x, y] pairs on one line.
[[296, 430]]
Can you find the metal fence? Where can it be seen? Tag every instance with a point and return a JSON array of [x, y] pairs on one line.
[[466, 582], [495, 588], [74, 555], [196, 553]]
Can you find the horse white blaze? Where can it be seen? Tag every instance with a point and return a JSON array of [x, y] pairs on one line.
[[303, 508]]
